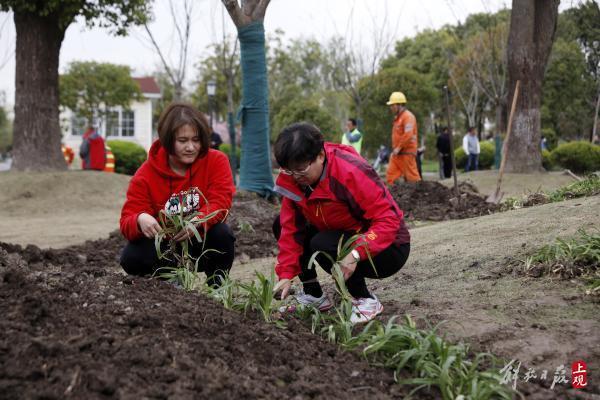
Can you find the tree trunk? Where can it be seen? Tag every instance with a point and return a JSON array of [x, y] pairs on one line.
[[255, 164], [595, 126], [532, 30], [37, 135]]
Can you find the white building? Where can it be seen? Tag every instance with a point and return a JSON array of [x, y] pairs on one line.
[[134, 125]]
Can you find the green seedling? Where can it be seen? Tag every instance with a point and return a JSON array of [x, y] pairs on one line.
[[259, 297], [246, 227], [185, 270]]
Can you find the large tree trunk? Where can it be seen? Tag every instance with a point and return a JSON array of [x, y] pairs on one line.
[[532, 29], [255, 165], [37, 136]]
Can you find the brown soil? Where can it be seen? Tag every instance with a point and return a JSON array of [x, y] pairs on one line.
[[251, 219], [74, 327], [430, 200]]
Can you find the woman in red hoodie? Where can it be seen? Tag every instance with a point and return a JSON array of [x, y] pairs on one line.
[[180, 163], [330, 192]]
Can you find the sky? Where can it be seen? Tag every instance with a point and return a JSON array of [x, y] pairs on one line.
[[358, 20]]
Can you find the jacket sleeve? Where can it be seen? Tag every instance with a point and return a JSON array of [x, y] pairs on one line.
[[84, 149], [291, 241], [138, 201], [376, 205], [466, 145], [219, 194]]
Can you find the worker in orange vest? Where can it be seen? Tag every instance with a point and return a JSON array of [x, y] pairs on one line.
[[110, 159], [68, 154], [403, 160]]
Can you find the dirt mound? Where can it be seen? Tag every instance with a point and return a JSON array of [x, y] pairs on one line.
[[251, 218], [430, 200], [73, 326]]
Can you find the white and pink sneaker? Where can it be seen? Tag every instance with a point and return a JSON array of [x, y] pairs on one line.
[[365, 309]]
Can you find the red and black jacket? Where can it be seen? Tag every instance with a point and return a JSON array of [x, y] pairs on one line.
[[350, 196], [155, 183]]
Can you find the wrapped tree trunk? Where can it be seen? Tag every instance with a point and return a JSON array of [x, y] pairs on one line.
[[255, 165], [532, 29], [37, 133]]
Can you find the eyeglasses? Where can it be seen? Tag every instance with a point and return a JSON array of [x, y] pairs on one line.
[[303, 172]]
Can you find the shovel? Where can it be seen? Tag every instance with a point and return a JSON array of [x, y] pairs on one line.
[[497, 195]]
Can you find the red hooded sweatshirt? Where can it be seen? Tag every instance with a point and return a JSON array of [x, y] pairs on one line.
[[349, 196], [154, 183]]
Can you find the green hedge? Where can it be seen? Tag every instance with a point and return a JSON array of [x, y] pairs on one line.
[[486, 157], [547, 160], [129, 156], [579, 157]]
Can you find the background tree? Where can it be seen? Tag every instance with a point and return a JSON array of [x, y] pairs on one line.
[[352, 62], [40, 28], [532, 30], [569, 93], [581, 24], [421, 96], [92, 89], [5, 132], [181, 15], [255, 169], [167, 95]]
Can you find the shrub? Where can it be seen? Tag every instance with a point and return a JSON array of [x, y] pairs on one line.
[[551, 138], [547, 160], [486, 156], [579, 157], [129, 156], [226, 148]]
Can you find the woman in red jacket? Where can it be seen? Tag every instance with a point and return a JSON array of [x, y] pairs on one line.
[[330, 192], [179, 164]]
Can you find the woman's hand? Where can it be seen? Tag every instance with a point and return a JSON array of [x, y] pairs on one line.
[[348, 266], [284, 286], [148, 225]]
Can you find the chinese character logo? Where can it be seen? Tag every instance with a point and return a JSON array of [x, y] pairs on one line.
[[579, 374]]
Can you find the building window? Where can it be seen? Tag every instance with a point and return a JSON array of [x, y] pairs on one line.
[[117, 123], [120, 123], [112, 123], [127, 123]]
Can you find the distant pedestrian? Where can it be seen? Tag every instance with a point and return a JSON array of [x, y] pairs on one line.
[[92, 150], [383, 157], [403, 161], [472, 149], [352, 136], [215, 140], [443, 147]]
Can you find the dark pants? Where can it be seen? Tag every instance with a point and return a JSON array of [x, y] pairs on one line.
[[447, 165], [139, 257], [472, 162], [386, 263]]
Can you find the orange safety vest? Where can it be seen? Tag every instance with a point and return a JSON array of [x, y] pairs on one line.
[[110, 160]]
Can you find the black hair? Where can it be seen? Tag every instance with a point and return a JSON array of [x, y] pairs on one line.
[[352, 120], [298, 143], [471, 128]]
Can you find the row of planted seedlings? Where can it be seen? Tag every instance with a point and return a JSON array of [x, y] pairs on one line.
[[432, 362], [576, 257], [585, 187]]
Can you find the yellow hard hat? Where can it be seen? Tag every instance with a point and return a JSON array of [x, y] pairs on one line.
[[397, 98]]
